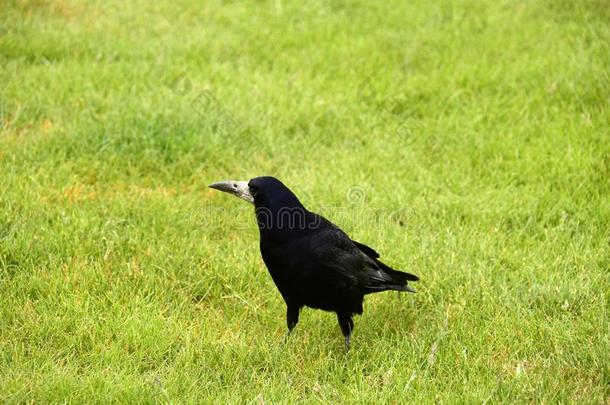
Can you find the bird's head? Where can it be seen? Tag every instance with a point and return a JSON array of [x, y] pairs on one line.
[[263, 191]]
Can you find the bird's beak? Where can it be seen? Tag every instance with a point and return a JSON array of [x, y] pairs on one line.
[[237, 188]]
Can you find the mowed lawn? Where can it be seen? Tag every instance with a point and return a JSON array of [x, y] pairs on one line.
[[467, 141]]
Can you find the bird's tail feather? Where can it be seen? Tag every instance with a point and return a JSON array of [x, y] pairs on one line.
[[390, 279], [400, 276], [386, 287], [402, 288]]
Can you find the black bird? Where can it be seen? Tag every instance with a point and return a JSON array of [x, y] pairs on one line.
[[312, 262]]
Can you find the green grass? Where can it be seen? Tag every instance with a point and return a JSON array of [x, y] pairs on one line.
[[467, 141]]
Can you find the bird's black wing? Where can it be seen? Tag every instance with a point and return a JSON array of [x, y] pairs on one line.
[[339, 255], [370, 252], [335, 251]]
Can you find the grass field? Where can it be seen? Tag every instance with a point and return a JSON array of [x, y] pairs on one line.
[[467, 141]]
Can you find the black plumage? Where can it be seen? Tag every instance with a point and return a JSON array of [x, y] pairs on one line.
[[312, 261]]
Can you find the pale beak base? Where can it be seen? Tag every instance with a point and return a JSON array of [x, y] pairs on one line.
[[237, 188]]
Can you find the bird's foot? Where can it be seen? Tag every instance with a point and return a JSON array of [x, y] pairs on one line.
[[347, 339]]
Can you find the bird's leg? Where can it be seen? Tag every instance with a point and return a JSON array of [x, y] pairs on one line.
[[292, 318], [347, 326]]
